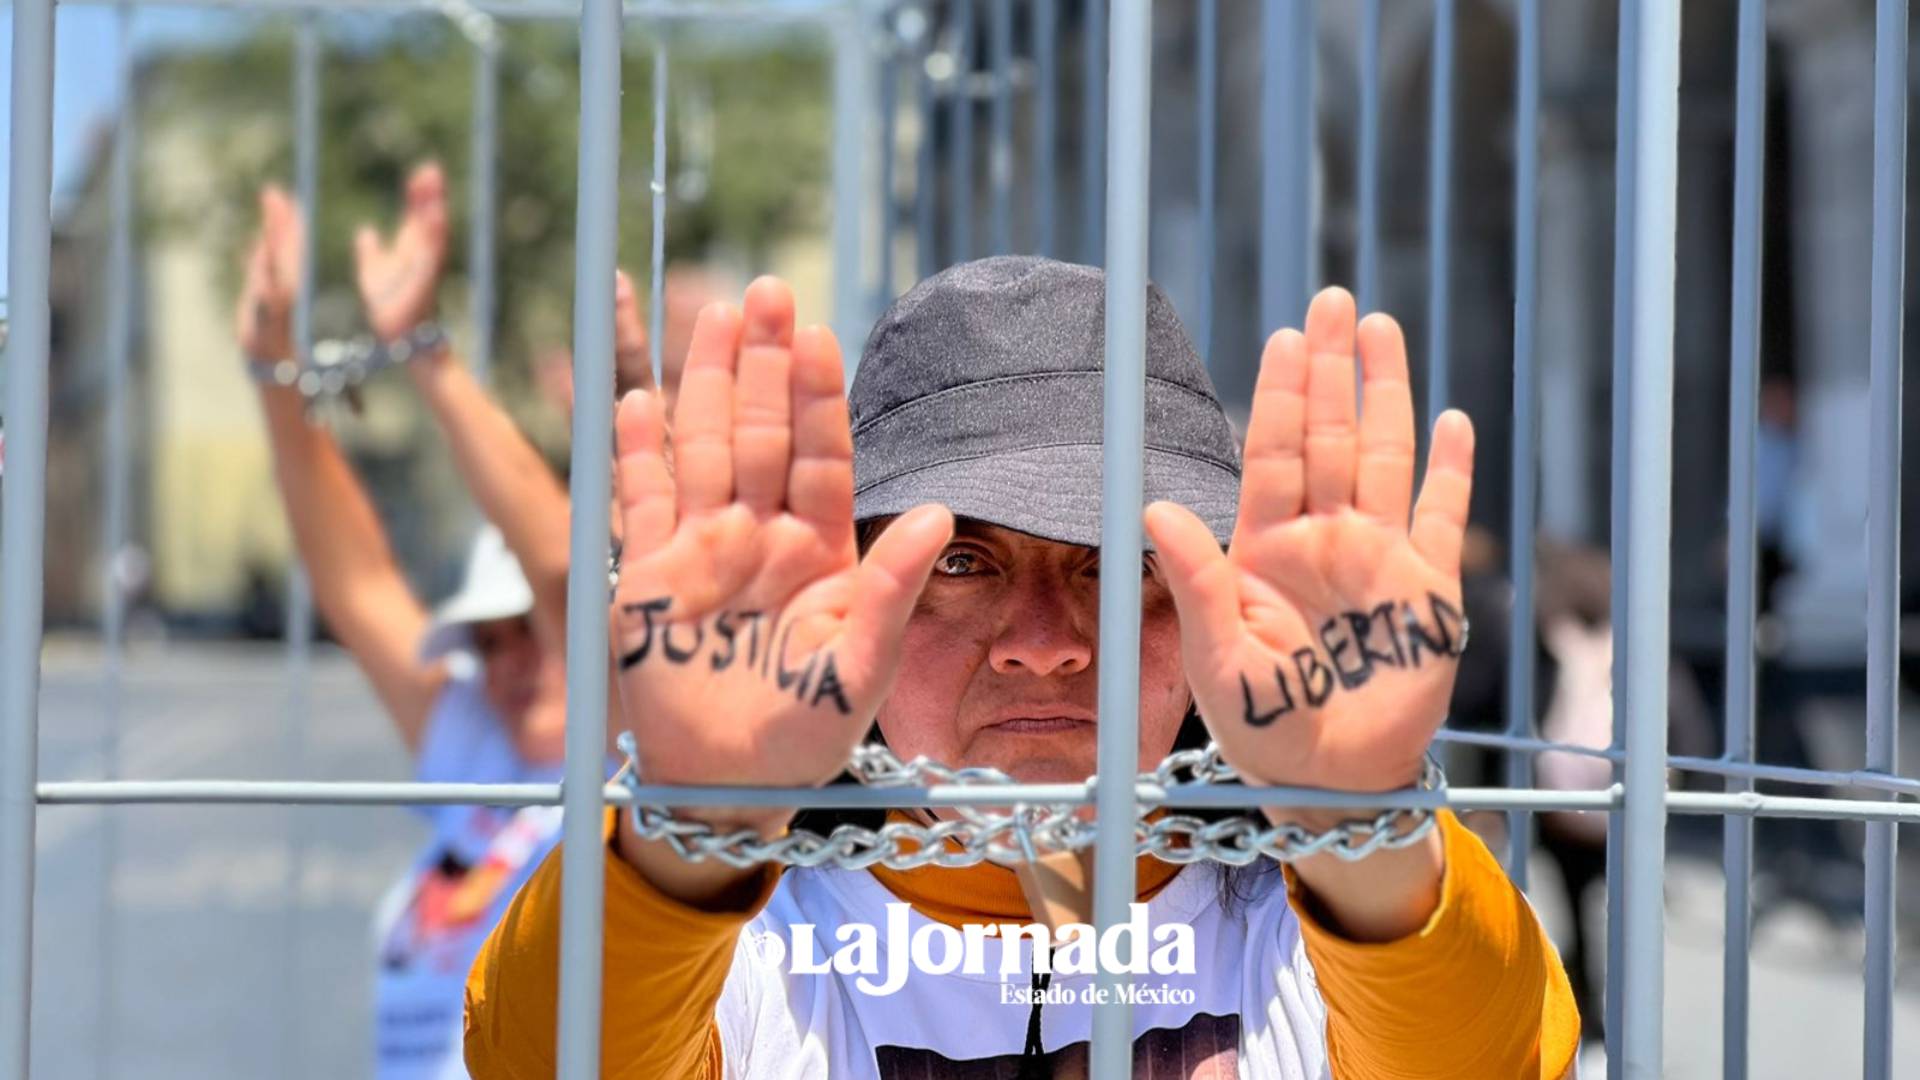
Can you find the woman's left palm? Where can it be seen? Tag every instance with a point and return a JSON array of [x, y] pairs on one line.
[[1321, 645]]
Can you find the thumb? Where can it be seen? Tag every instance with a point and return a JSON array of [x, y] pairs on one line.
[[886, 586], [368, 251], [630, 333], [1205, 591]]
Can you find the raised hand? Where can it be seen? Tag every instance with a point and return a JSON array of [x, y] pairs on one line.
[[753, 644], [1321, 646], [399, 277], [263, 322], [632, 360]]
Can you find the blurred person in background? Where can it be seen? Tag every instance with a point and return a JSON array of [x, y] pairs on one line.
[[500, 720], [686, 290]]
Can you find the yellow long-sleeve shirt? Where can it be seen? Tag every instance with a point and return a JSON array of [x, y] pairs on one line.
[[1477, 992]]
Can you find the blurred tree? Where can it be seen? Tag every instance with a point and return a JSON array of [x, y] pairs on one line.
[[748, 149]]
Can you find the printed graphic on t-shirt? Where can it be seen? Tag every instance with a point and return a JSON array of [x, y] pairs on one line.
[[1207, 1047]]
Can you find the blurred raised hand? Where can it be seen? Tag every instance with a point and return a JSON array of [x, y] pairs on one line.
[[263, 323], [399, 275]]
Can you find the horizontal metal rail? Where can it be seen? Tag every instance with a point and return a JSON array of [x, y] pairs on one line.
[[642, 10], [855, 797], [1870, 779]]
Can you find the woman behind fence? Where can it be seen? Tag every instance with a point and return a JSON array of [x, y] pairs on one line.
[[924, 570], [501, 721]]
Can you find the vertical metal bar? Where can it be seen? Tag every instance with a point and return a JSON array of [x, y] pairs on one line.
[[299, 624], [113, 595], [657, 273], [1207, 122], [1883, 507], [1093, 132], [118, 371], [1122, 483], [1000, 156], [1368, 271], [596, 217], [23, 507], [960, 223], [1749, 154], [1649, 534], [889, 144], [1046, 122], [1286, 161], [1626, 156], [852, 183], [926, 178], [306, 170], [1526, 437], [484, 181], [1439, 210]]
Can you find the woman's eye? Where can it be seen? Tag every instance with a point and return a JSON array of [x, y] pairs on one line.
[[957, 563]]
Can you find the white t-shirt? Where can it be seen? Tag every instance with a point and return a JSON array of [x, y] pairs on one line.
[[1255, 1013], [432, 923]]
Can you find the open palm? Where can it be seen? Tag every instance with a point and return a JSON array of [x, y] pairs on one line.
[[399, 277], [263, 322], [1321, 646], [754, 644]]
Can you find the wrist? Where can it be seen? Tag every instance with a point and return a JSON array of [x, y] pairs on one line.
[[710, 885]]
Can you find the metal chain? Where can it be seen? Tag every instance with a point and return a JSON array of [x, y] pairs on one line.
[[339, 367], [1028, 828]]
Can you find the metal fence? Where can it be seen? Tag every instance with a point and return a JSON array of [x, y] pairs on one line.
[[874, 55]]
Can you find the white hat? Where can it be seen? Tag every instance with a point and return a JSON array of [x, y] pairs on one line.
[[493, 587]]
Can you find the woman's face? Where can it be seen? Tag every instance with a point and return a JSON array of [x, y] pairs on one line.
[[999, 662], [526, 684]]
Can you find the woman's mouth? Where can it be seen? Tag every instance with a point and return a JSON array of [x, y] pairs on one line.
[[1040, 725]]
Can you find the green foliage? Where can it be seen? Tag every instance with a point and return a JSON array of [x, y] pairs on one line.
[[748, 151]]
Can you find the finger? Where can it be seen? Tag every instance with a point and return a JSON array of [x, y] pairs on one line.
[[1273, 481], [1440, 517], [368, 250], [427, 208], [632, 363], [292, 245], [886, 586], [1206, 592], [763, 398], [1383, 486], [646, 487], [1330, 434], [253, 291], [820, 482], [259, 277], [426, 185], [275, 220], [703, 416]]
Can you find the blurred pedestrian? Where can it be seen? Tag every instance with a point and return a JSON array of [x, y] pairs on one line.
[[471, 690]]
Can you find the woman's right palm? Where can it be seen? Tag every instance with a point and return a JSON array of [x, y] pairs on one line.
[[753, 643]]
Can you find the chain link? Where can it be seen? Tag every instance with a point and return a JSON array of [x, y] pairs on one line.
[[338, 367], [1024, 830]]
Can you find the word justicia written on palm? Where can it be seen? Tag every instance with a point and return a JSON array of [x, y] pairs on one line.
[[1352, 647], [754, 641]]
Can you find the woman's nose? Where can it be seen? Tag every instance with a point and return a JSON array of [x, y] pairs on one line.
[[1042, 635]]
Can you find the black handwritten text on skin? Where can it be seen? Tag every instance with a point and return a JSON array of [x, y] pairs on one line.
[[1355, 646], [730, 637]]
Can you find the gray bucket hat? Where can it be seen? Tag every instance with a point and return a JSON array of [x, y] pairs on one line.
[[982, 389]]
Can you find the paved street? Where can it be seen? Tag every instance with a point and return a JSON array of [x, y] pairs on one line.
[[202, 968]]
